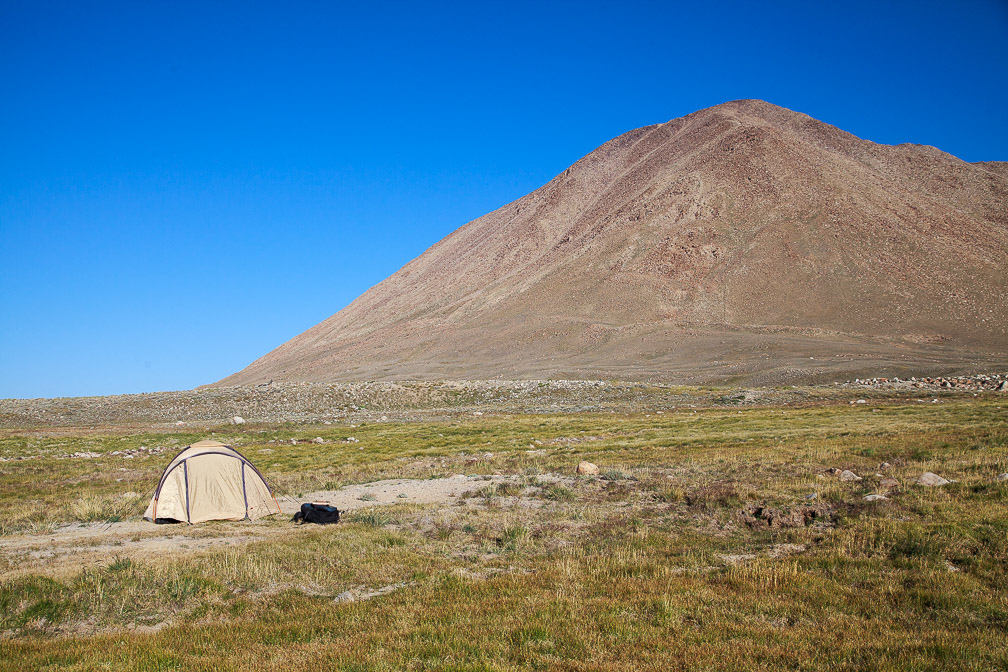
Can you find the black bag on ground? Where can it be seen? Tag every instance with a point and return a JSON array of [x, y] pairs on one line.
[[321, 514]]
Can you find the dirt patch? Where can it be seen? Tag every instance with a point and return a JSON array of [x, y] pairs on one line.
[[760, 515], [403, 491], [72, 547]]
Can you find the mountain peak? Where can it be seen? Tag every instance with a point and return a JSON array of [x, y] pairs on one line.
[[743, 241]]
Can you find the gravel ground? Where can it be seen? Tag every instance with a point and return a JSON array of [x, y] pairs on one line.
[[321, 403]]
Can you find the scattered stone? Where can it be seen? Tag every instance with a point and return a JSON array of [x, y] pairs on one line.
[[1001, 478], [875, 498], [1002, 386], [293, 442], [930, 480], [351, 439], [885, 465], [237, 420], [345, 596], [180, 423], [847, 476], [587, 468], [477, 413], [811, 497], [738, 558], [889, 484], [318, 439]]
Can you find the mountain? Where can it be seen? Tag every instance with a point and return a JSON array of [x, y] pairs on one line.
[[743, 242]]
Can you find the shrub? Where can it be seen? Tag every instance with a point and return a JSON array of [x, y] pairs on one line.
[[558, 493]]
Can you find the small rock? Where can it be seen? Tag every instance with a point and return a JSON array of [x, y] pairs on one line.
[[587, 468], [889, 484], [293, 442], [384, 418], [345, 596], [1002, 386], [847, 475], [237, 420], [180, 423], [884, 465], [860, 401], [477, 413], [318, 439], [1001, 478], [875, 498], [813, 496], [930, 480]]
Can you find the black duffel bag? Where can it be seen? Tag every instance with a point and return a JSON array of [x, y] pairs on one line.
[[312, 512]]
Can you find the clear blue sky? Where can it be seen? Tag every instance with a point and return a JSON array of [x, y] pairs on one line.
[[185, 187]]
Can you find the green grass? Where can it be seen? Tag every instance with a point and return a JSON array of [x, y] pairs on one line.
[[650, 566]]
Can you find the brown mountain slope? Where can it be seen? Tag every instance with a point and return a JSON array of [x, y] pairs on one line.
[[744, 241]]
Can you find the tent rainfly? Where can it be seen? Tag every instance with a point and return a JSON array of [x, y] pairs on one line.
[[210, 481]]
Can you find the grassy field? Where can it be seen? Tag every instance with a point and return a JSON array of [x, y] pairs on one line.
[[712, 539]]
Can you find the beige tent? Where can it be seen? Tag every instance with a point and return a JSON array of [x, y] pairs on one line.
[[211, 481]]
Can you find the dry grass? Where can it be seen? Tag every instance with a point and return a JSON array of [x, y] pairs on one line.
[[652, 566]]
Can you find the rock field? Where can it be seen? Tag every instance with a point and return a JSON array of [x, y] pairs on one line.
[[384, 401]]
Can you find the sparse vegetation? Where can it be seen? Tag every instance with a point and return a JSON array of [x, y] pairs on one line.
[[681, 566]]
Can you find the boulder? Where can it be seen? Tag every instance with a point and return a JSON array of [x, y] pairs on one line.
[[237, 420], [930, 480], [587, 468], [1002, 386], [846, 475]]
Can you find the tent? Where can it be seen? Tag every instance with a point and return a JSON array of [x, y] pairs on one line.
[[210, 481]]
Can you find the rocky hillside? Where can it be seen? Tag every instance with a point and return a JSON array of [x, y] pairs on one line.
[[744, 242]]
